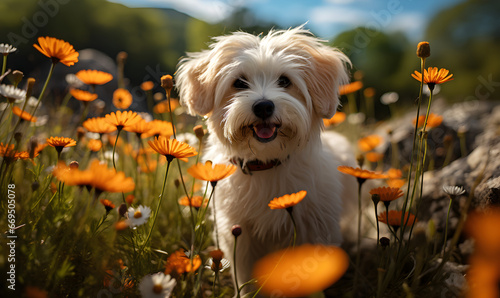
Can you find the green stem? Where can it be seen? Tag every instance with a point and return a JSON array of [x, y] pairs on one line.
[[158, 205], [290, 209], [4, 65], [358, 242], [40, 97], [446, 228], [234, 268], [114, 147]]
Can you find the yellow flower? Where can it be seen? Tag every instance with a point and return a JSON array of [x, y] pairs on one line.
[[288, 200], [313, 267], [432, 76], [171, 148], [94, 77], [122, 98], [58, 50], [82, 95], [209, 172]]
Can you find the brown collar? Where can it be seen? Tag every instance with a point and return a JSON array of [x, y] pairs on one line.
[[255, 165]]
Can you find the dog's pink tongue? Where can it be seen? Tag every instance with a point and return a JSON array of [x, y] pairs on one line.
[[264, 131]]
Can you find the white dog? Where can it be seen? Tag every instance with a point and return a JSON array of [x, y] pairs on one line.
[[264, 98]]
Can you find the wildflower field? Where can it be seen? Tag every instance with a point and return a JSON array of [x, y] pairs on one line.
[[103, 201]]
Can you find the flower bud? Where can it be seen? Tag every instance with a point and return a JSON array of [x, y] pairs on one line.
[[17, 76], [236, 230], [199, 132], [167, 83], [74, 165], [423, 50]]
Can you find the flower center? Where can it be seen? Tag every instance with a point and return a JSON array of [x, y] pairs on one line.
[[137, 214], [157, 289]]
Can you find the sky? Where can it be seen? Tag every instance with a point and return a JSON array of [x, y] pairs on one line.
[[326, 18]]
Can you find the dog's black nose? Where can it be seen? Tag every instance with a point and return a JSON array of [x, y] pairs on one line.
[[263, 109]]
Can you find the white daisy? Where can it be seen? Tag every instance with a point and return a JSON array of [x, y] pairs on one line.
[[389, 97], [454, 190], [157, 285], [138, 216], [6, 49], [74, 81], [12, 93]]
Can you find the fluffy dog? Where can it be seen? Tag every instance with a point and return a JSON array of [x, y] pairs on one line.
[[264, 98]]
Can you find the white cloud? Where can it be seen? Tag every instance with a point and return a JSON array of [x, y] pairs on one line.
[[207, 10], [329, 15], [411, 23]]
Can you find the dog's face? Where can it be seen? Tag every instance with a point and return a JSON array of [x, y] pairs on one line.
[[264, 96]]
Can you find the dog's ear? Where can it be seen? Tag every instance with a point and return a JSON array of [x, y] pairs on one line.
[[195, 93], [326, 74]]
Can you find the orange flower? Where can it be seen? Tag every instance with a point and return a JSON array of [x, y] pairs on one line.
[[338, 118], [97, 176], [369, 92], [10, 154], [369, 143], [61, 142], [313, 268], [360, 173], [94, 77], [108, 205], [122, 98], [171, 148], [432, 121], [122, 119], [374, 156], [395, 218], [94, 145], [387, 194], [396, 183], [483, 227], [162, 106], [180, 263], [140, 127], [209, 172], [351, 87], [159, 128], [432, 76], [23, 114], [288, 200], [394, 173], [82, 95], [482, 277], [147, 85], [98, 125], [196, 201], [58, 50]]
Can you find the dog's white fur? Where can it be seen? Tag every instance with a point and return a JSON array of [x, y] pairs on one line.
[[205, 83]]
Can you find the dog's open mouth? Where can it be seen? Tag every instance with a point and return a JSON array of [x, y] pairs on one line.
[[265, 132]]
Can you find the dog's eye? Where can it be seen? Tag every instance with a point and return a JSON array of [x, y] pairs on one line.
[[241, 83], [284, 82]]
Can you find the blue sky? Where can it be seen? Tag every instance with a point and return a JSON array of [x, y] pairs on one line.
[[326, 18]]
